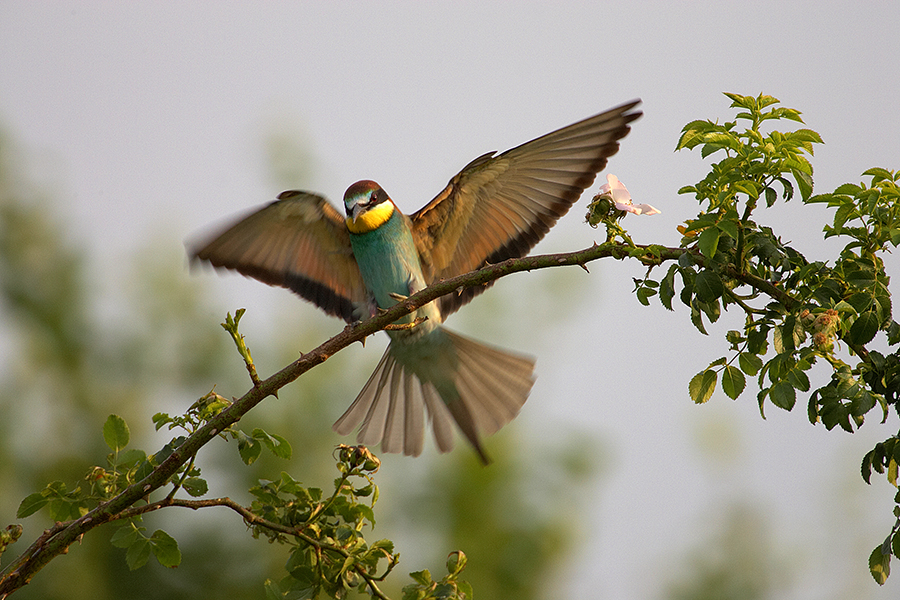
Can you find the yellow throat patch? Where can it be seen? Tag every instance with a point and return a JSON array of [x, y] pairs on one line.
[[371, 219]]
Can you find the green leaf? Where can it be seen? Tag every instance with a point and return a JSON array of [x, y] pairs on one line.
[[644, 294], [729, 228], [750, 363], [806, 135], [130, 457], [115, 432], [805, 182], [248, 448], [821, 198], [273, 590], [280, 447], [798, 379], [702, 385], [138, 553], [667, 289], [848, 189], [126, 535], [721, 140], [195, 486], [165, 548], [878, 173], [758, 342], [864, 328], [422, 577], [783, 395], [708, 286], [31, 504], [465, 589], [879, 565], [709, 241], [733, 382]]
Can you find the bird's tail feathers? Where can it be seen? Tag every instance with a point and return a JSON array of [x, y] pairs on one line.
[[480, 387]]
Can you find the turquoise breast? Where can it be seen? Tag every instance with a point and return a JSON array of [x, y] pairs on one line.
[[389, 263]]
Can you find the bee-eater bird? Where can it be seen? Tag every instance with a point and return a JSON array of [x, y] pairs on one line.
[[498, 207]]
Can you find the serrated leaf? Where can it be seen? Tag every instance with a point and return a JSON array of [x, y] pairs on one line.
[[708, 286], [273, 590], [165, 549], [718, 362], [195, 486], [275, 443], [879, 565], [702, 385], [366, 513], [864, 328], [733, 382], [125, 536], [865, 468], [115, 433], [697, 319], [281, 448], [848, 189], [798, 379], [750, 363], [708, 241], [806, 135], [783, 395], [667, 289], [422, 577], [644, 294], [722, 139], [821, 198], [729, 228], [249, 449], [31, 504], [804, 182], [130, 457], [878, 173], [465, 589], [144, 469], [893, 332], [138, 554]]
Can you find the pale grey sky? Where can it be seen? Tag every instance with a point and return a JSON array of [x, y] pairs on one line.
[[154, 117]]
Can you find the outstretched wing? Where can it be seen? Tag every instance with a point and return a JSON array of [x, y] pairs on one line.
[[298, 242], [499, 207]]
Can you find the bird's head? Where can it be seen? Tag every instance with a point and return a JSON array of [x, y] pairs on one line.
[[367, 205]]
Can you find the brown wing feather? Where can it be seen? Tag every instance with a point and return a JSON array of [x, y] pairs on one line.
[[299, 242], [499, 207]]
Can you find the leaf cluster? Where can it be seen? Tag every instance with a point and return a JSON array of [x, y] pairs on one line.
[[450, 587], [797, 312], [328, 553]]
